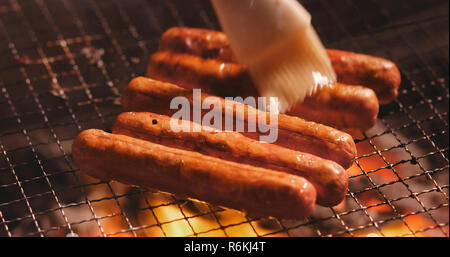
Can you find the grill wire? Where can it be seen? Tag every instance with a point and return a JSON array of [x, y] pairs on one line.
[[64, 64]]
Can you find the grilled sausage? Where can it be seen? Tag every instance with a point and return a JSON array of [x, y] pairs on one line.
[[258, 191], [379, 74], [350, 108], [340, 106], [144, 94], [376, 73], [208, 44], [329, 178], [213, 77]]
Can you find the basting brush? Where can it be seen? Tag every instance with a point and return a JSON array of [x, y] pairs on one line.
[[276, 41]]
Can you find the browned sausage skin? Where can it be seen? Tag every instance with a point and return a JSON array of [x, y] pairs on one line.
[[258, 191], [376, 73], [208, 44], [189, 71], [340, 106], [329, 178], [379, 74], [147, 95]]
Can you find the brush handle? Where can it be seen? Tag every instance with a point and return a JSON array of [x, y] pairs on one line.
[[252, 26]]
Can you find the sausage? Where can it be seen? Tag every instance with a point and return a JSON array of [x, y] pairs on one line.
[[340, 106], [208, 44], [258, 191], [148, 95], [379, 74], [350, 108], [329, 178], [188, 71]]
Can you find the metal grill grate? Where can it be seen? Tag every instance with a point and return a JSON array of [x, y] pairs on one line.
[[64, 63]]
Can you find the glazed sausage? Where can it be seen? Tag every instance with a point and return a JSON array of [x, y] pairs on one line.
[[376, 73], [208, 44], [341, 106], [329, 178], [258, 191], [213, 77], [144, 94], [349, 108], [379, 74]]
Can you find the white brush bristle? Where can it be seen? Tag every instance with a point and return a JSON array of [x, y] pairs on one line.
[[293, 70]]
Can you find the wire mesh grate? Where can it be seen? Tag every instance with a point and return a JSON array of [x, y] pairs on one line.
[[64, 64]]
